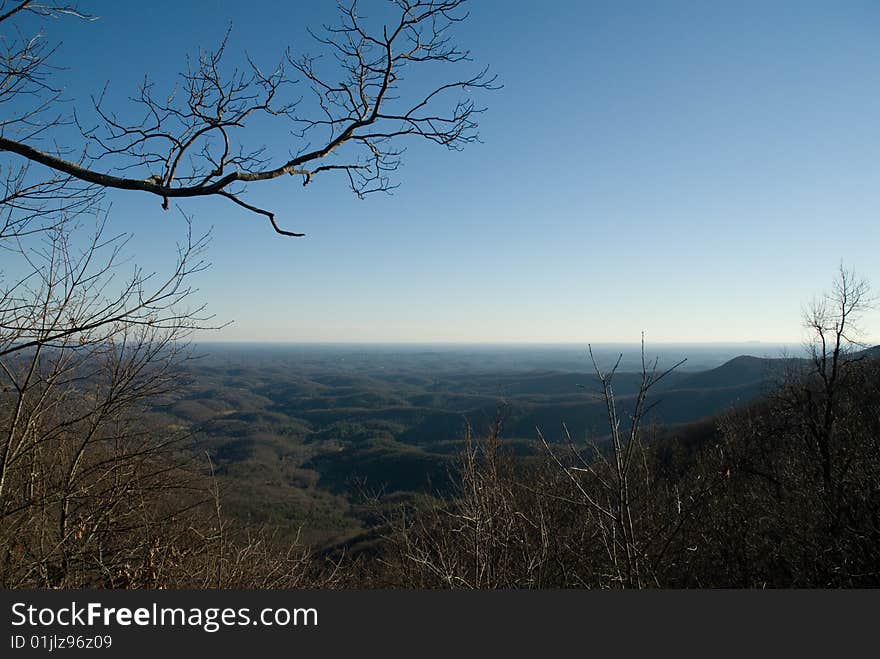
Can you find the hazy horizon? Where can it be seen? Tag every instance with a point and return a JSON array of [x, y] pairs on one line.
[[524, 344], [489, 357]]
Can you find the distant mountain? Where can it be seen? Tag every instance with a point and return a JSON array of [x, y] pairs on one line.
[[738, 372], [745, 371], [870, 353]]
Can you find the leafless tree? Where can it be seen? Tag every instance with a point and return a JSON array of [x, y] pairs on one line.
[[614, 481], [489, 532], [835, 339], [599, 516], [92, 493], [83, 353], [801, 505], [192, 141], [29, 105]]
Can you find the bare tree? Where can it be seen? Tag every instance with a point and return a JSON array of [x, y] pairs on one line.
[[595, 516], [92, 492], [835, 338], [29, 108], [83, 353], [607, 479], [801, 504], [192, 141], [489, 533]]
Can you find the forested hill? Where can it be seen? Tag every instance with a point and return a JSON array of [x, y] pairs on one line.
[[297, 436]]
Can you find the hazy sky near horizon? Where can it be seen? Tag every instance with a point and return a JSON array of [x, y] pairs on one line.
[[694, 170]]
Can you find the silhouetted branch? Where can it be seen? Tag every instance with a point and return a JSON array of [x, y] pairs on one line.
[[191, 142]]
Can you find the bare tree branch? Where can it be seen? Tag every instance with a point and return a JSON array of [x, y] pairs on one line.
[[191, 142]]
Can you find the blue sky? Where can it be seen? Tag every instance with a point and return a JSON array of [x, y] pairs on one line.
[[695, 170]]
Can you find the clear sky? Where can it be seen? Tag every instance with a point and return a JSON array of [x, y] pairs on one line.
[[695, 170]]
